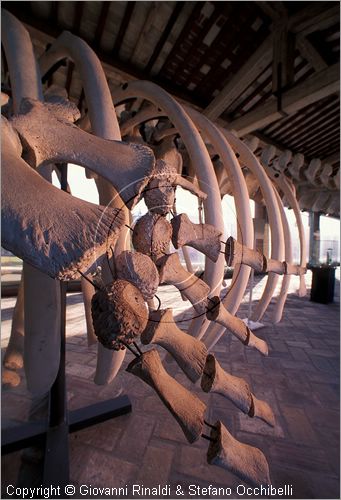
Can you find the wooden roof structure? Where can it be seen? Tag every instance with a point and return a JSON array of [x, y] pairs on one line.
[[269, 69]]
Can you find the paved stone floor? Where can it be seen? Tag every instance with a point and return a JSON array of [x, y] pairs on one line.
[[299, 379]]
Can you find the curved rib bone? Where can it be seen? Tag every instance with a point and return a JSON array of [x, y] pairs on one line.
[[151, 236], [247, 462], [40, 223], [126, 166], [186, 408], [139, 270], [215, 379], [289, 192], [202, 237], [195, 289], [188, 352], [217, 312]]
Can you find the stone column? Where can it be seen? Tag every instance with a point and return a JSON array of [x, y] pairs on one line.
[[314, 238]]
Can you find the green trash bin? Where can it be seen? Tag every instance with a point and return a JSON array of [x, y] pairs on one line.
[[323, 283]]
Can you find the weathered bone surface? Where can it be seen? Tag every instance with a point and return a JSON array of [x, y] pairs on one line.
[[236, 389], [217, 312], [140, 270], [187, 409], [152, 235], [159, 194], [46, 227], [126, 166], [119, 313], [195, 289], [247, 462], [188, 352], [202, 237], [236, 253]]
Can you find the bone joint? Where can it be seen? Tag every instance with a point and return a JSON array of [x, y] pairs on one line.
[[126, 166], [139, 270], [202, 237], [152, 235]]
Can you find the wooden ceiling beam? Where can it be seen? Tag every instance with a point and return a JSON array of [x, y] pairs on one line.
[[220, 9], [274, 10], [77, 17], [287, 125], [313, 89], [331, 134], [327, 150], [46, 32], [257, 63], [124, 25], [318, 16], [309, 121], [318, 128], [184, 32], [54, 9], [283, 56], [101, 23], [309, 52], [318, 135], [165, 34]]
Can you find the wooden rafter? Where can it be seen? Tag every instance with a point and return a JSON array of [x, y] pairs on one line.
[[274, 10], [318, 129], [283, 56], [317, 16], [54, 10], [165, 34], [124, 25], [316, 87], [287, 125], [239, 82], [101, 23], [309, 52], [185, 30], [77, 17]]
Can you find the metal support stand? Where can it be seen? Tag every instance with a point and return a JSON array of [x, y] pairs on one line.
[[54, 434]]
